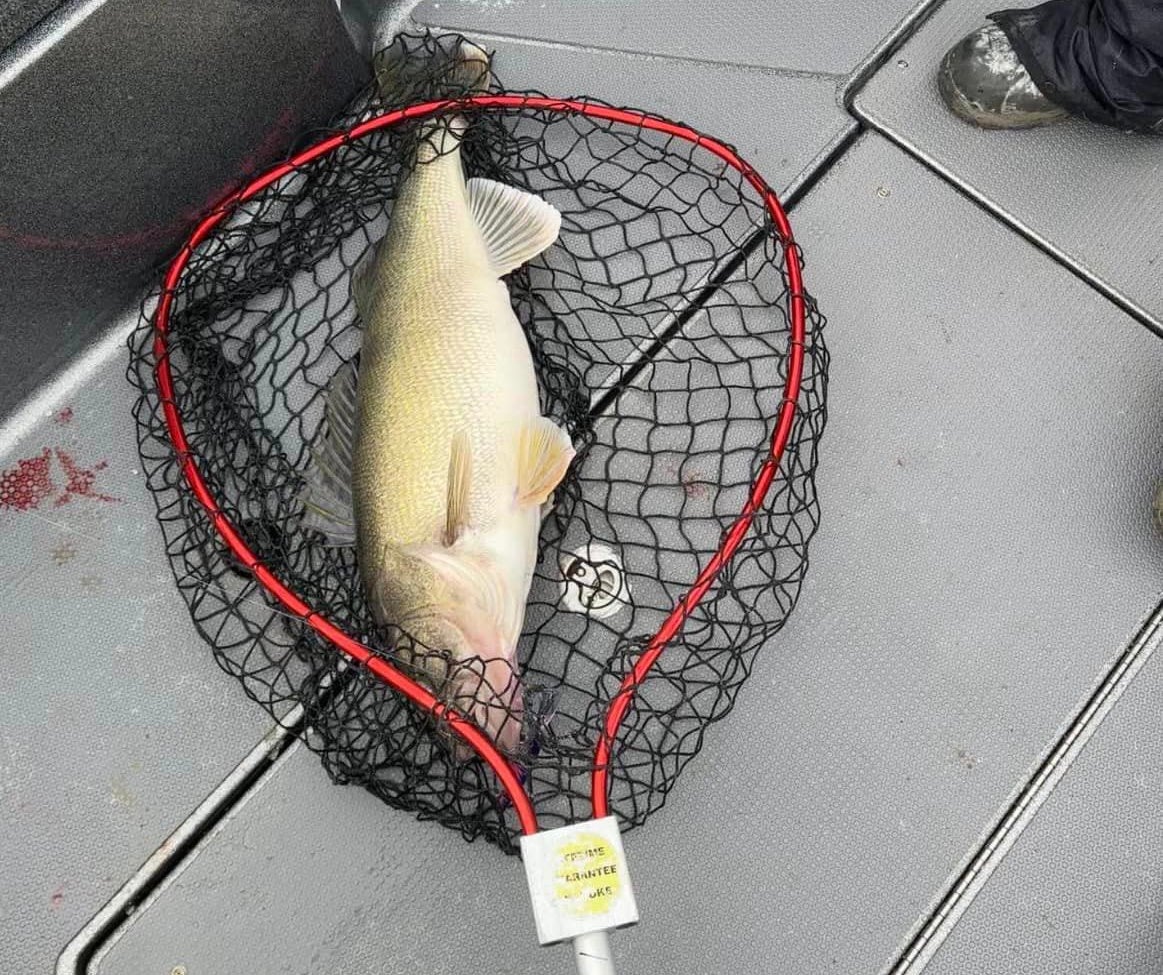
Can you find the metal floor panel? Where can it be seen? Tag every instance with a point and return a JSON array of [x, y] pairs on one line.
[[768, 79], [986, 551], [1082, 191], [828, 38], [1081, 890], [780, 123], [116, 722]]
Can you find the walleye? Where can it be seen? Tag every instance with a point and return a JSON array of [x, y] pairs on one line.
[[436, 461]]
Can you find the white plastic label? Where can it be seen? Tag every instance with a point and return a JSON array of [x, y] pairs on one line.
[[578, 880]]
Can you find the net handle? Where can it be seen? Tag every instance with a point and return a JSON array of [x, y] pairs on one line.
[[418, 695]]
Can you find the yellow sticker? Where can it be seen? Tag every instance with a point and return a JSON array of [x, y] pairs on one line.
[[587, 877]]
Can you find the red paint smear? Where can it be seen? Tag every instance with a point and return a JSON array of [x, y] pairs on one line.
[[57, 898], [26, 485], [64, 416], [80, 480]]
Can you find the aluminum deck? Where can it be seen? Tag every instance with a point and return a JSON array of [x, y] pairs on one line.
[[947, 761]]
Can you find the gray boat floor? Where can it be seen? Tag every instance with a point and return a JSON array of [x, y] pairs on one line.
[[946, 761]]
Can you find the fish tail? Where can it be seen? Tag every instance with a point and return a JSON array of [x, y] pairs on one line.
[[453, 71], [472, 68], [470, 73]]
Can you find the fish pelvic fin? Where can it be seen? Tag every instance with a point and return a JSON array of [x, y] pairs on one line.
[[326, 495], [459, 488], [516, 226], [544, 454]]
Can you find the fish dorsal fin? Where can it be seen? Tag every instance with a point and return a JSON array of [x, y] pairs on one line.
[[459, 488], [326, 495], [363, 277], [516, 226], [543, 456]]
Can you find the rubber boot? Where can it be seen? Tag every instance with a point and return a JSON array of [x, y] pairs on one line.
[[983, 81]]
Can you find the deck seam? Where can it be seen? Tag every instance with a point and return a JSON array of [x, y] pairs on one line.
[[835, 77], [1126, 304], [112, 920], [927, 938]]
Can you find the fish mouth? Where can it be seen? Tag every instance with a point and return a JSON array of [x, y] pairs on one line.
[[488, 692], [485, 689]]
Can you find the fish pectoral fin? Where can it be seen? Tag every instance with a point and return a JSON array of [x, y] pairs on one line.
[[459, 488], [543, 456], [326, 496], [516, 226], [363, 276]]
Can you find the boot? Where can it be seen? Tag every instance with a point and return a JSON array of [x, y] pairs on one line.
[[983, 81]]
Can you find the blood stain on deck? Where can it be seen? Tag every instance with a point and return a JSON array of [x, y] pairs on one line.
[[26, 485], [80, 480], [30, 482]]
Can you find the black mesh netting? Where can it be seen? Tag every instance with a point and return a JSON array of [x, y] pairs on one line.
[[660, 334]]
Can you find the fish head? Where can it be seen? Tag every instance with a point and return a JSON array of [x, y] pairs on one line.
[[464, 619], [483, 682], [487, 689]]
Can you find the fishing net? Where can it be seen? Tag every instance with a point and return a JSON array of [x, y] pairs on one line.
[[660, 331]]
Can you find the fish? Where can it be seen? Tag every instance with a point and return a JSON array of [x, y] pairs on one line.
[[435, 460]]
